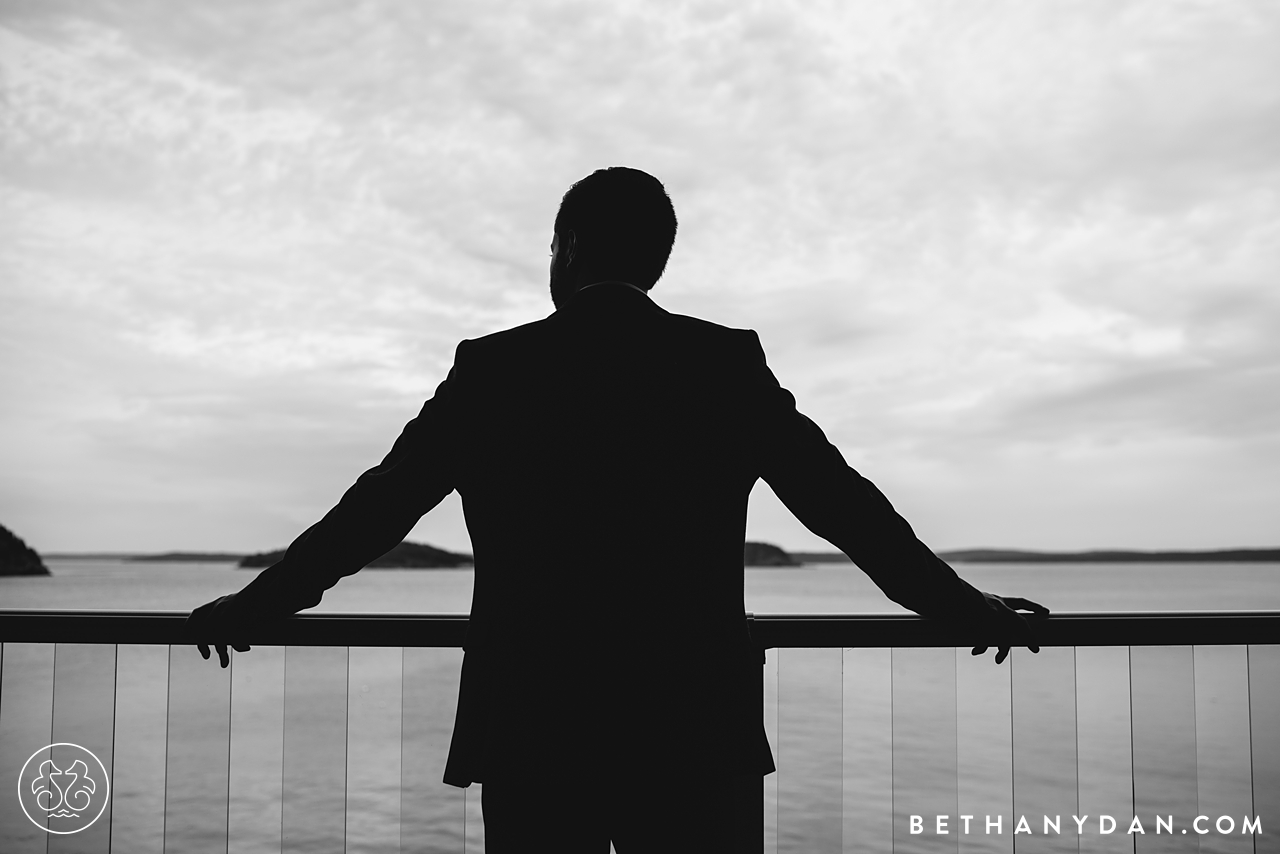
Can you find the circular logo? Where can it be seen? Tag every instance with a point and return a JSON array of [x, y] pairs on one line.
[[63, 788]]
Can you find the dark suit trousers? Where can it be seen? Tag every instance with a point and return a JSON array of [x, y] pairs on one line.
[[639, 813]]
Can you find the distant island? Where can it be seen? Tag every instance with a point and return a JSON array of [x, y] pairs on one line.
[[90, 555], [409, 555], [186, 557], [148, 557], [766, 554], [1113, 556], [1096, 556], [18, 558], [406, 555]]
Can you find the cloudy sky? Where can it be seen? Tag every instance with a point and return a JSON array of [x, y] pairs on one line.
[[1020, 260]]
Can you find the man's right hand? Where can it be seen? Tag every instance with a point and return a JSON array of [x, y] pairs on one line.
[[219, 622], [1004, 622]]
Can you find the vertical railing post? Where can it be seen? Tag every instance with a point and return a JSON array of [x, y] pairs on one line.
[[1264, 736], [84, 690], [26, 725], [771, 667], [314, 799], [197, 754], [752, 795]]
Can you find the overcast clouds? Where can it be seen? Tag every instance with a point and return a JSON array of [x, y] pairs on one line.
[[1020, 260]]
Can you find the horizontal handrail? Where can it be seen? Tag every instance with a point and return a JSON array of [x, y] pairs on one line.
[[169, 627], [1142, 628], [1095, 628]]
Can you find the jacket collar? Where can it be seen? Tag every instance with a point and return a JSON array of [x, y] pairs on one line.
[[606, 296], [612, 282]]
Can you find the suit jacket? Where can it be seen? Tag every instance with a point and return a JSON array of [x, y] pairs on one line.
[[604, 456]]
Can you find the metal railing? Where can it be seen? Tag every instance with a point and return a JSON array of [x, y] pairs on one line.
[[331, 735], [771, 631]]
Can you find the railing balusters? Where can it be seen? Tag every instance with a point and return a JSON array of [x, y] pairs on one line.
[[314, 809], [84, 706], [1264, 735], [984, 750], [1044, 750], [924, 748], [810, 744], [26, 724], [867, 747], [137, 779], [257, 751], [772, 661], [198, 730], [1164, 746], [265, 758], [1104, 747], [432, 815], [1223, 778], [373, 750]]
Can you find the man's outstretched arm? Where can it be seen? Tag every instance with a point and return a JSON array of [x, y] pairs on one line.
[[813, 480], [372, 517]]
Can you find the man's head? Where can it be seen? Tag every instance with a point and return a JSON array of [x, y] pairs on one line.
[[616, 223]]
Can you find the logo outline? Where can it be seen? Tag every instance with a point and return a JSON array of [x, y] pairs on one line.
[[106, 778]]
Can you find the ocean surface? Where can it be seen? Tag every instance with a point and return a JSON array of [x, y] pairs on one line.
[[352, 741]]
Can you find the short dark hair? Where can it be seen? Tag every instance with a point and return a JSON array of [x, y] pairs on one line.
[[624, 222]]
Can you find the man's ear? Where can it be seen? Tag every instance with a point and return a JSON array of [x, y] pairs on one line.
[[570, 246]]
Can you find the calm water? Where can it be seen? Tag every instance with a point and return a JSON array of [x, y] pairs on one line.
[[864, 738], [824, 589]]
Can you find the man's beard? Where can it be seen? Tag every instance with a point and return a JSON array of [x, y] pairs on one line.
[[563, 286]]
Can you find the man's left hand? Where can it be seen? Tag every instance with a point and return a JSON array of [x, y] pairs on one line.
[[1004, 621]]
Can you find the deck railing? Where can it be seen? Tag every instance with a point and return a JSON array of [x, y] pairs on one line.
[[331, 734]]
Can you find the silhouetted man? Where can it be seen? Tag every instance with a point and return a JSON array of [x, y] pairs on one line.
[[604, 456]]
